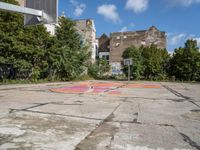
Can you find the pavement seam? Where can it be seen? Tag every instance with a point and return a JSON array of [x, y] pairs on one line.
[[24, 109], [189, 99], [56, 114], [38, 105], [101, 123], [111, 89], [187, 139], [175, 92]]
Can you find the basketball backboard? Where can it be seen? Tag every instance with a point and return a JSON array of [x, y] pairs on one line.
[[128, 62], [49, 9]]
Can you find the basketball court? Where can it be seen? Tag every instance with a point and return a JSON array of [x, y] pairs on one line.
[[100, 115]]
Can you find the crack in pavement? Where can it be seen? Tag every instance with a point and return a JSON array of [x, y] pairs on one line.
[[111, 140], [189, 99], [175, 92], [111, 89], [41, 104], [61, 103], [153, 99], [57, 114], [190, 141], [24, 109], [101, 123], [107, 120]]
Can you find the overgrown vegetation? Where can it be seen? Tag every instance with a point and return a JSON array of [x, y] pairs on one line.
[[185, 63], [152, 63], [36, 55], [99, 70]]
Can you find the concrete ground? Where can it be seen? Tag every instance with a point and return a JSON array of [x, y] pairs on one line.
[[97, 115]]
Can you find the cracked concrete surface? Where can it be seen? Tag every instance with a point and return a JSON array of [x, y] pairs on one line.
[[33, 117]]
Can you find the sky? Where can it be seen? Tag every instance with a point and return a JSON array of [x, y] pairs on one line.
[[180, 19]]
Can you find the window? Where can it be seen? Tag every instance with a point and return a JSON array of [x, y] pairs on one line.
[[118, 37], [106, 57], [117, 44], [143, 43]]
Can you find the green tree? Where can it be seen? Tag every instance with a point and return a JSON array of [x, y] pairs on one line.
[[155, 61], [68, 57], [24, 47], [99, 69], [185, 63], [10, 27], [137, 68]]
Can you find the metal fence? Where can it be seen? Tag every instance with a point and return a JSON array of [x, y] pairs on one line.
[[7, 71]]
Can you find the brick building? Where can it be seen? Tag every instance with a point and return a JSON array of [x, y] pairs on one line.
[[103, 49], [119, 41]]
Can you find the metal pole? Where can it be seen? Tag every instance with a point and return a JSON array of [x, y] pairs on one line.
[[22, 10], [128, 73]]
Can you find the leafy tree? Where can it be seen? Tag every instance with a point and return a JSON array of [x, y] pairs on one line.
[[99, 69], [24, 47], [137, 68], [10, 27], [185, 63], [148, 62], [68, 57], [34, 51], [155, 61]]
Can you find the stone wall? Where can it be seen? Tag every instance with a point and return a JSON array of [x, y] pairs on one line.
[[104, 42], [119, 41]]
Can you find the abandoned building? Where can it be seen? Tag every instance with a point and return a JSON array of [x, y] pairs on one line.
[[86, 28], [119, 41], [103, 48]]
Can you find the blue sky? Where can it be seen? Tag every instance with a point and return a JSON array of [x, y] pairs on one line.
[[180, 19]]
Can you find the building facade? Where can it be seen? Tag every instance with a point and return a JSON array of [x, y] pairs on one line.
[[86, 28], [119, 41], [103, 48]]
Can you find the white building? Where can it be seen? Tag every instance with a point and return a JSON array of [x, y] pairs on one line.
[[86, 29], [21, 2], [51, 28]]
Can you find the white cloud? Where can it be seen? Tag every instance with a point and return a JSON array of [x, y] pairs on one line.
[[124, 29], [178, 39], [137, 6], [79, 8], [175, 39], [184, 2], [109, 11]]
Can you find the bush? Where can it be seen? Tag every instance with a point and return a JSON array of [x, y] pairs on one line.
[[149, 63], [99, 70]]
